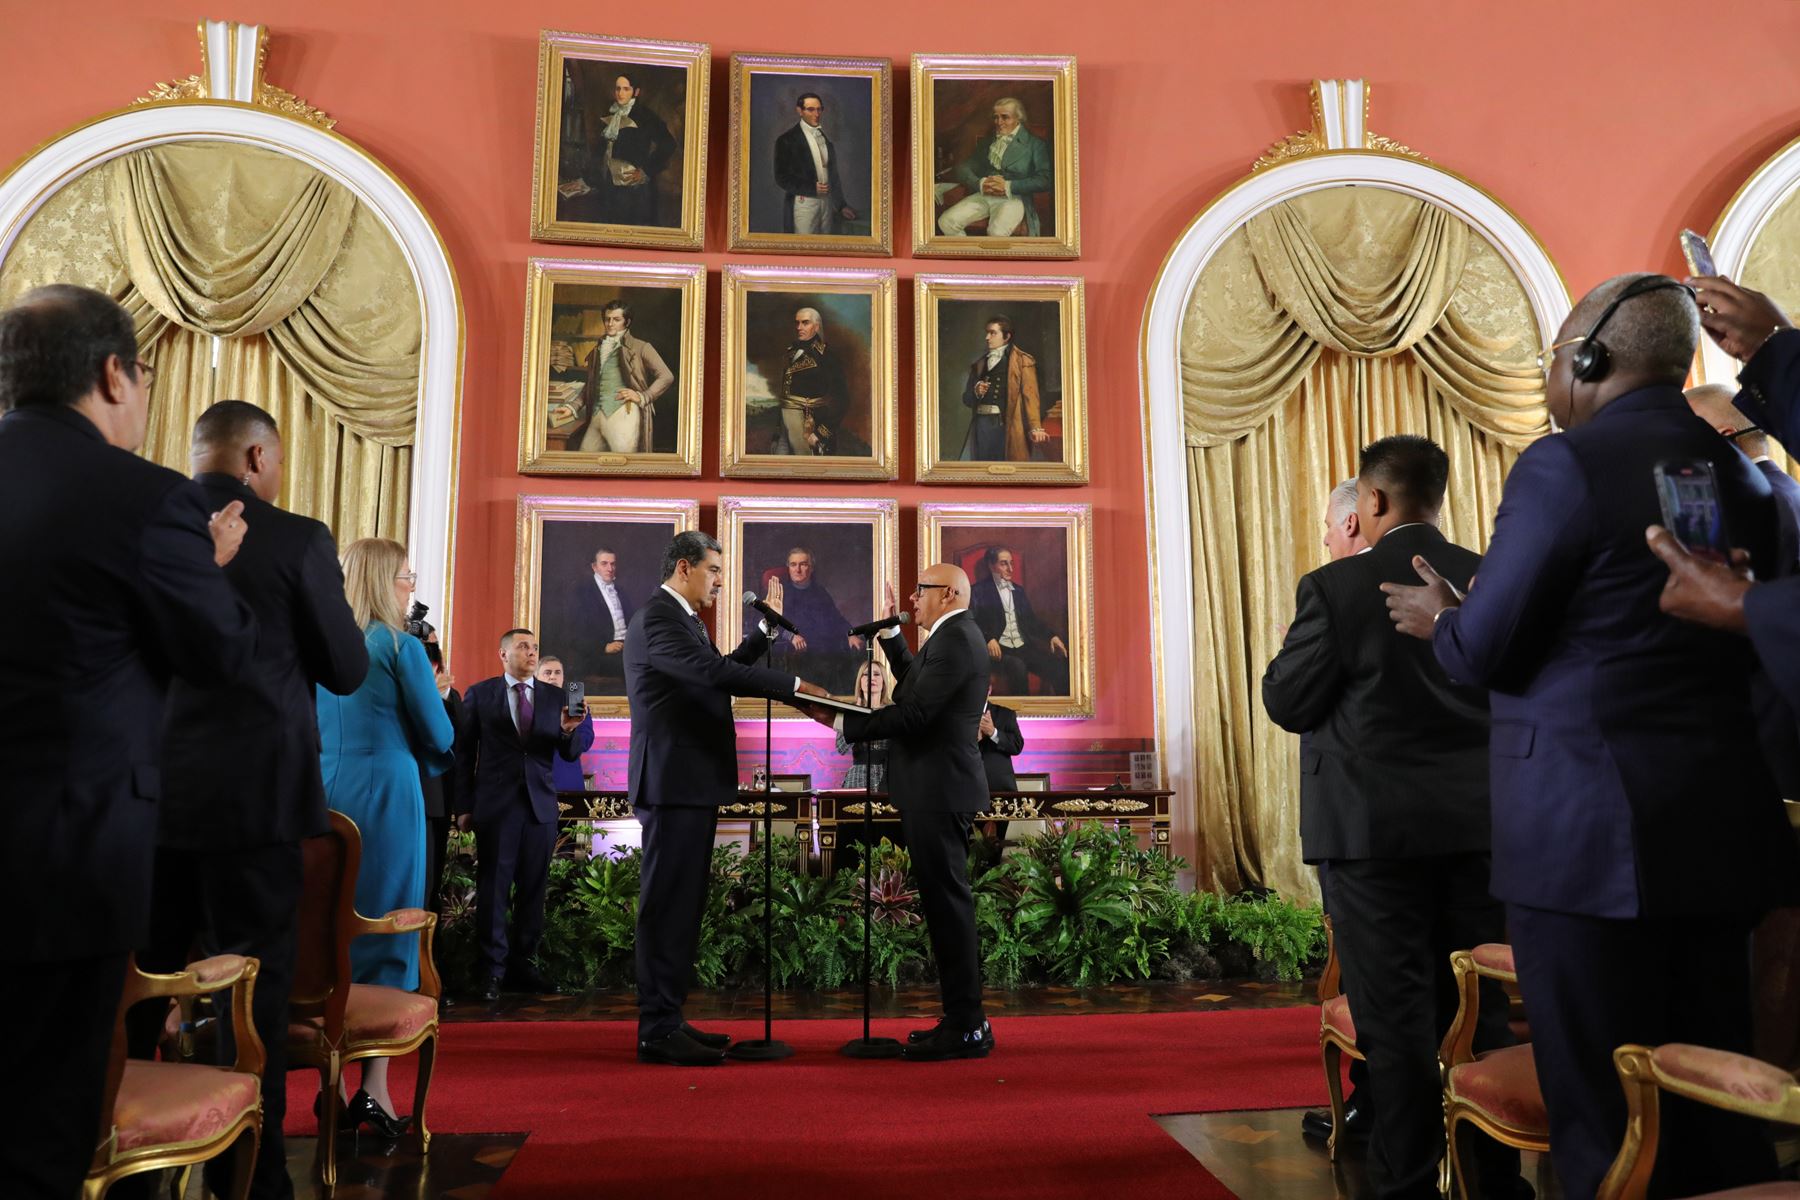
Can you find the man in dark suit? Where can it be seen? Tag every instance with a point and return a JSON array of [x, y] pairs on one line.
[[598, 612], [628, 147], [1394, 797], [1019, 643], [113, 562], [937, 781], [1000, 741], [683, 766], [511, 727], [814, 392], [1638, 835], [241, 784], [806, 170]]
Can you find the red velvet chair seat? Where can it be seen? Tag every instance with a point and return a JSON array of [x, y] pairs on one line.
[[1722, 1071], [180, 1104], [375, 1014], [1503, 1086], [1334, 1014]]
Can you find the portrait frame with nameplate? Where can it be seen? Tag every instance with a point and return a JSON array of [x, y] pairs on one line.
[[853, 548], [1045, 617], [613, 366], [1000, 379], [558, 575]]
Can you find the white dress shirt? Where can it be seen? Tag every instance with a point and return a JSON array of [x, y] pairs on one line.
[[997, 151], [609, 592], [1010, 637], [821, 150]]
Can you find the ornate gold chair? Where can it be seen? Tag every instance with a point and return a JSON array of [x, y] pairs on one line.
[[176, 1114], [1719, 1078], [333, 1021], [1337, 1034], [1496, 1090]]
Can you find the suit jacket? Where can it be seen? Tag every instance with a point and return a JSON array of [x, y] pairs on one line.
[[1395, 764], [241, 760], [1787, 514], [931, 727], [1627, 779], [990, 613], [496, 768], [646, 144], [438, 805], [796, 175], [1771, 398], [997, 752], [683, 737], [1022, 409], [594, 631], [111, 592]]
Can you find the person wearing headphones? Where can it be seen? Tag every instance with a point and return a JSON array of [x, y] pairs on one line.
[[1638, 835]]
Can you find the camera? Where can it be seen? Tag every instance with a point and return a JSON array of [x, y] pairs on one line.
[[419, 627]]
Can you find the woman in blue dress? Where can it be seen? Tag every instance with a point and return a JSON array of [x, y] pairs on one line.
[[373, 745]]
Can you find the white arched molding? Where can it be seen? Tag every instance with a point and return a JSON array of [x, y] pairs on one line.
[[1769, 187], [431, 522], [1165, 443]]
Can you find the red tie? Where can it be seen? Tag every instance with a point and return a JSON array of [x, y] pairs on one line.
[[524, 708]]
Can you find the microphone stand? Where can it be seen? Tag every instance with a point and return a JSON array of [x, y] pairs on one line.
[[866, 1046], [766, 1048]]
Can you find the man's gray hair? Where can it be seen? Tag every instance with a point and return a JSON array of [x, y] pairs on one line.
[[1017, 108], [1341, 503], [811, 314], [690, 546], [1653, 333]]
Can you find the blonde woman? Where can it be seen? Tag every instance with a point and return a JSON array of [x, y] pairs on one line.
[[373, 745]]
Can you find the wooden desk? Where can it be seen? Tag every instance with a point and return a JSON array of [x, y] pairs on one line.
[[574, 808]]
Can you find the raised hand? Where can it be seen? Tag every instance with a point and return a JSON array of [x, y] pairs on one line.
[[893, 601], [227, 528], [773, 599]]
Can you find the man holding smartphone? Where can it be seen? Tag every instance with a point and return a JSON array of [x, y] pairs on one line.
[[1637, 833]]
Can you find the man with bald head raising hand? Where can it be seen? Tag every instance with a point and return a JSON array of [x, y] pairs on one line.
[[1638, 835], [937, 781]]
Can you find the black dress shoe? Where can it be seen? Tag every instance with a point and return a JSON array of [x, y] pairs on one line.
[[1316, 1123], [525, 979], [364, 1110], [490, 991], [712, 1041], [916, 1036], [950, 1043], [677, 1049]]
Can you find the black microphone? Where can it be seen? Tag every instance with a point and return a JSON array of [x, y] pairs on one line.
[[769, 614], [893, 622]]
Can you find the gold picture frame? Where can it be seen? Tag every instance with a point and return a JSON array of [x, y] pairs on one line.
[[851, 358], [955, 98], [758, 533], [559, 537], [1053, 561], [1041, 374], [583, 190], [855, 98], [568, 303]]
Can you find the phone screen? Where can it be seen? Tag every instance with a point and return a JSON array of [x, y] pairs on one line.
[[577, 698], [1691, 509], [1698, 253]]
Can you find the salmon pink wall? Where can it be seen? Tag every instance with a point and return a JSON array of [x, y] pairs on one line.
[[1600, 124]]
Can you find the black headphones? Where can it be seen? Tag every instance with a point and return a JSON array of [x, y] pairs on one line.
[[1590, 361]]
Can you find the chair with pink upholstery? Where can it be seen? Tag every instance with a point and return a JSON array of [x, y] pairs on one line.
[[1337, 1035], [1497, 1090], [176, 1114], [1717, 1078], [333, 1021]]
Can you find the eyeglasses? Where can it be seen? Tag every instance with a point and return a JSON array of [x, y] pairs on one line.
[[407, 577], [922, 588], [1546, 357], [146, 372]]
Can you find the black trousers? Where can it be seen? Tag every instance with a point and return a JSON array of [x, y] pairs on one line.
[[1593, 984], [231, 902], [939, 845], [1361, 1096], [1397, 922], [678, 845], [1015, 668], [512, 863], [60, 1018]]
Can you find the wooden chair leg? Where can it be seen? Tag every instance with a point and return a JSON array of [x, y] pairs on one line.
[[325, 1159], [178, 1181], [1458, 1185], [1333, 1055], [427, 1056], [244, 1169]]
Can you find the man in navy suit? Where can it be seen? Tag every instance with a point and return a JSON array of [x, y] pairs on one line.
[[1019, 643], [683, 766], [1637, 833], [511, 727], [113, 588], [598, 613], [806, 170]]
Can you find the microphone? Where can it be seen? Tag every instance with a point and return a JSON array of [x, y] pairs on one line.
[[893, 622], [769, 614]]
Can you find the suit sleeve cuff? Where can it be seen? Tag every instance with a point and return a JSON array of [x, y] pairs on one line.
[[888, 633], [837, 723], [796, 685]]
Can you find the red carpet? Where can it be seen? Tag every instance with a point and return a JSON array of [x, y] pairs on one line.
[[1062, 1108]]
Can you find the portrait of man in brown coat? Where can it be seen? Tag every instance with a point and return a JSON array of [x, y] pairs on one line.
[[1001, 393], [625, 378]]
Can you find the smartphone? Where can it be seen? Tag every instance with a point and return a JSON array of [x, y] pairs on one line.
[[577, 698], [1698, 254], [1690, 508]]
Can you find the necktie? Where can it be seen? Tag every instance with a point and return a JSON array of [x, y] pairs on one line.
[[524, 708]]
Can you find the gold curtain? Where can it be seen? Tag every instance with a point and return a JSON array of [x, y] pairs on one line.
[[312, 297], [1326, 322]]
